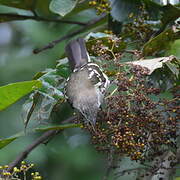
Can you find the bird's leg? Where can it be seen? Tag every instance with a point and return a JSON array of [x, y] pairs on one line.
[[93, 127]]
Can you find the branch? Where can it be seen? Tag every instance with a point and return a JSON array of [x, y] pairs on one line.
[[37, 18], [53, 43], [42, 139], [29, 148]]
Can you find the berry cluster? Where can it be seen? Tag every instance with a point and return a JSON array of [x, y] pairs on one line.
[[101, 6], [132, 123], [138, 28], [107, 47], [19, 172]]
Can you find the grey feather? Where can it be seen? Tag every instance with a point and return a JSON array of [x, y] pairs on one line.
[[82, 95], [86, 86], [77, 53]]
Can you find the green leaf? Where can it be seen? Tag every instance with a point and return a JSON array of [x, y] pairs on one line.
[[80, 6], [173, 68], [97, 35], [62, 7], [161, 42], [5, 142], [175, 49], [62, 68], [10, 93], [39, 74], [58, 127], [22, 4], [115, 25], [52, 85], [121, 9], [42, 8], [40, 104], [170, 13], [166, 95]]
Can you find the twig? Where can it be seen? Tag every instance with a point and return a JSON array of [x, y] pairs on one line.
[[53, 43], [43, 138], [37, 18], [29, 148]]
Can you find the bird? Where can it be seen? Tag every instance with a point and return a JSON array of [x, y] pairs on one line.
[[87, 84]]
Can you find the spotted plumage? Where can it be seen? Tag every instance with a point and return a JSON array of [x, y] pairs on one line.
[[87, 84]]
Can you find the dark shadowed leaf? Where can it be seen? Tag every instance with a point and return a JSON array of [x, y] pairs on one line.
[[22, 4], [170, 13], [174, 68], [121, 9], [42, 7], [161, 42]]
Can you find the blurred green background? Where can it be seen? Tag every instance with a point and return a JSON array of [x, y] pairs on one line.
[[69, 155]]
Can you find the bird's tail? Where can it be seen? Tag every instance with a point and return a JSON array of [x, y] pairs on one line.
[[77, 53]]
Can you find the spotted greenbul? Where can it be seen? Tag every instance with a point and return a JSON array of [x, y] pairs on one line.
[[87, 84]]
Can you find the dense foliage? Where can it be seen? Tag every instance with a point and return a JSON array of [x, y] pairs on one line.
[[137, 133]]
